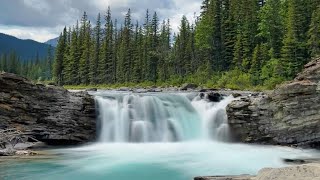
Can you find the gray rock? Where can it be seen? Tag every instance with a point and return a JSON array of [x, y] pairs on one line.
[[301, 172], [214, 97], [289, 115], [91, 89], [50, 114], [187, 86]]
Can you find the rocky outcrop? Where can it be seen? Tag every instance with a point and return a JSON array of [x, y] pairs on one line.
[[289, 115], [305, 172], [48, 113], [187, 86]]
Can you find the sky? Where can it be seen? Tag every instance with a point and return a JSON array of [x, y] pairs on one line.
[[42, 20]]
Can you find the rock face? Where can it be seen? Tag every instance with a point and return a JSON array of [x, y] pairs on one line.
[[289, 115], [50, 114]]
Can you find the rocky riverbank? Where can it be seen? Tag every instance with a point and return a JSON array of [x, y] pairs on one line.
[[289, 115], [49, 114]]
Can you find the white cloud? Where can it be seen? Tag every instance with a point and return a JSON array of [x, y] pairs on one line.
[[45, 19], [38, 5], [37, 34]]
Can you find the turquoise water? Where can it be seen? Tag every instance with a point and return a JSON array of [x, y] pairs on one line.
[[185, 128], [156, 161]]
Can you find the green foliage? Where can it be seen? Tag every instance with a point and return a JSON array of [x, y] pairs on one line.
[[314, 33], [235, 79], [236, 44]]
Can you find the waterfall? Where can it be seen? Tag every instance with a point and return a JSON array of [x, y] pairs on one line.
[[159, 117]]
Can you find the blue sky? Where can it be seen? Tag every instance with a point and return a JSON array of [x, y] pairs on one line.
[[42, 20]]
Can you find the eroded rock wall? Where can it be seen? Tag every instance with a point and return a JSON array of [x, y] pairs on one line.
[[50, 114], [289, 115]]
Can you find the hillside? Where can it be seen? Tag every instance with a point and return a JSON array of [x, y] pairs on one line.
[[26, 49], [53, 42]]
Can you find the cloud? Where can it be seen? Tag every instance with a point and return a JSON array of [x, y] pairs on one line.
[[44, 19]]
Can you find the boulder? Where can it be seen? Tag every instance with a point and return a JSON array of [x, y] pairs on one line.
[[48, 113], [188, 86], [91, 90], [236, 95], [214, 97]]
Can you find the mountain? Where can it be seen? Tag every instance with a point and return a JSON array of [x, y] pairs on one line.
[[53, 42], [26, 49]]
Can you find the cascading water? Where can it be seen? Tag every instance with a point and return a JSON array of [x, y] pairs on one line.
[[128, 117], [192, 122]]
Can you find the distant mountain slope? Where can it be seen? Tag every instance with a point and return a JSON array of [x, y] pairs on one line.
[[53, 42], [26, 49]]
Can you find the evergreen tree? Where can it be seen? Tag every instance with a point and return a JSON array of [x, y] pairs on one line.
[[49, 63], [85, 57], [96, 51], [271, 26], [314, 33], [294, 52], [59, 59]]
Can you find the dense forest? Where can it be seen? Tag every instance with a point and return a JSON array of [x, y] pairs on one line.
[[238, 44], [37, 69]]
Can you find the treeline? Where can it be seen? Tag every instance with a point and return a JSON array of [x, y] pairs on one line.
[[37, 69], [233, 43]]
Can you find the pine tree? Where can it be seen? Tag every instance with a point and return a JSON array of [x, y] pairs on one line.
[[49, 63], [85, 36], [94, 74], [146, 47], [271, 26], [228, 27], [153, 53], [314, 33], [294, 52], [127, 48], [59, 59], [136, 75]]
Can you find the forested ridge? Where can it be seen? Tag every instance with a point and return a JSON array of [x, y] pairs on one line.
[[238, 44], [37, 68]]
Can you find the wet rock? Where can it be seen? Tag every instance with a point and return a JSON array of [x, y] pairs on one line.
[[187, 86], [7, 152], [294, 161], [207, 90], [236, 95], [48, 113], [214, 97], [91, 90], [124, 89], [25, 153]]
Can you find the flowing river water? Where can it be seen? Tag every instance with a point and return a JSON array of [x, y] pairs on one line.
[[158, 136]]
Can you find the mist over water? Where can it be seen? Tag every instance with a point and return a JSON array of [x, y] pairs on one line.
[[158, 136]]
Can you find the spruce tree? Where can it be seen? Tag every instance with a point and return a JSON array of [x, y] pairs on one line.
[[59, 59], [94, 74], [314, 33]]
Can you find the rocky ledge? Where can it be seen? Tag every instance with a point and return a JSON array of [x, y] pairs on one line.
[[289, 115], [49, 114], [301, 172]]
